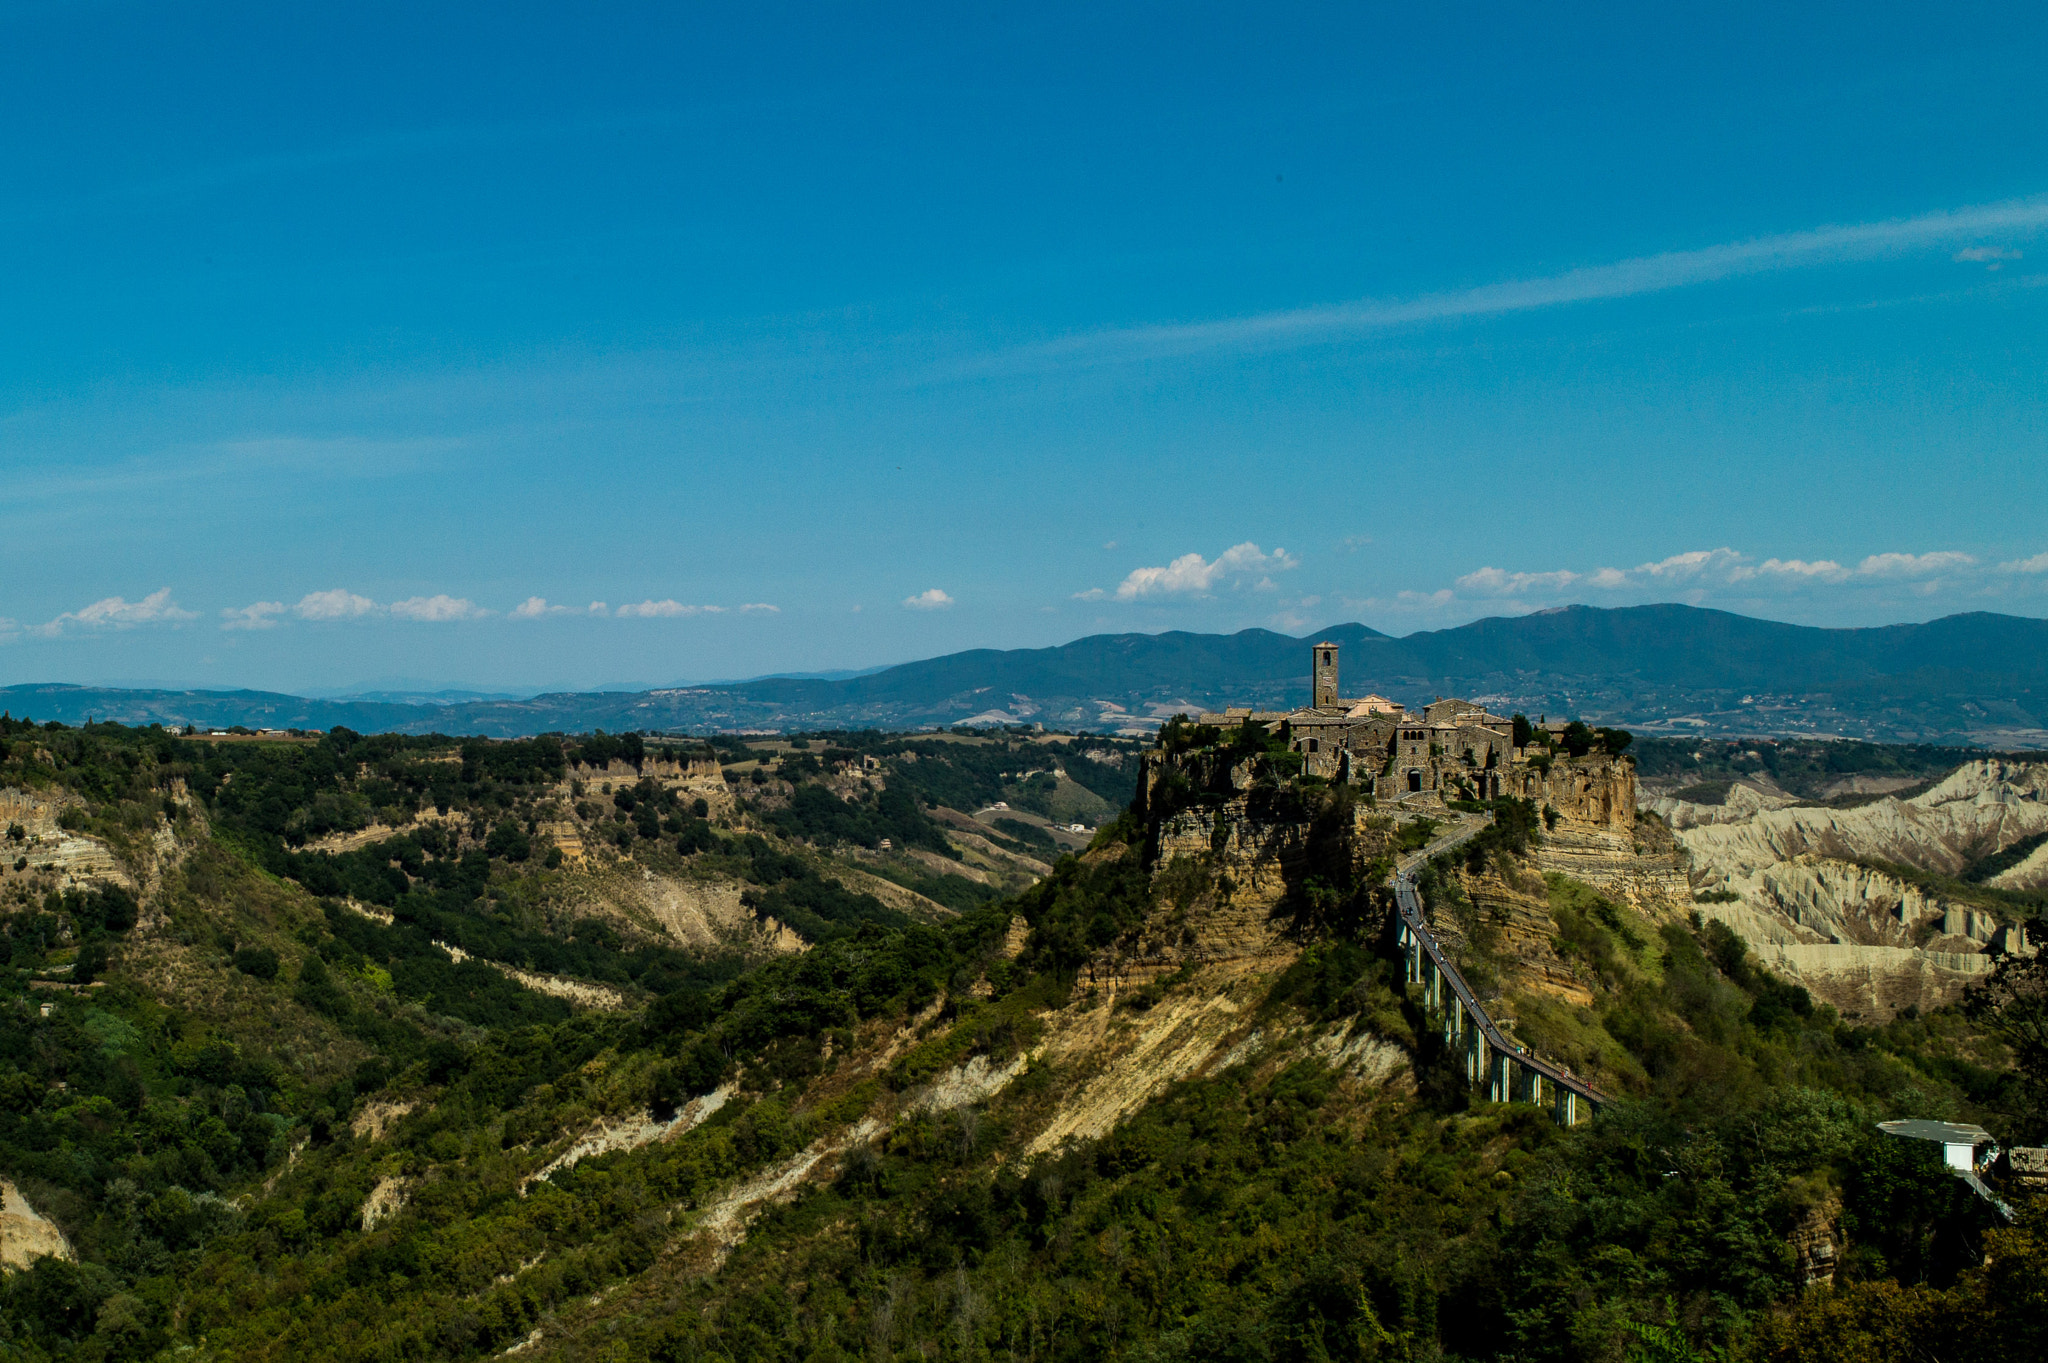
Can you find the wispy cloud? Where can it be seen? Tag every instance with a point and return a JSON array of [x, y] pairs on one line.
[[439, 607], [250, 466], [114, 612], [931, 599], [1409, 603], [2037, 564], [1618, 279], [1990, 257], [259, 615], [1193, 575], [760, 608]]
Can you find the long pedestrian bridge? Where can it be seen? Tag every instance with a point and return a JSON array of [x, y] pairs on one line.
[[1494, 1064]]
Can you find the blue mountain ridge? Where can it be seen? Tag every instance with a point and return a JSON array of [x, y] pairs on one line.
[[1973, 678]]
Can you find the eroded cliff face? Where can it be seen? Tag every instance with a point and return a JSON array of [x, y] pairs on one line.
[[1596, 791], [25, 1234], [1228, 870], [1510, 912], [1600, 837], [1980, 808], [1640, 864], [1866, 941], [1263, 845], [47, 848]]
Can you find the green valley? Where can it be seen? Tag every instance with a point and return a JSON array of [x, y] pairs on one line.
[[849, 1044]]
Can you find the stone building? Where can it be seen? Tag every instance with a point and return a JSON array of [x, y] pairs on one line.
[[1454, 749]]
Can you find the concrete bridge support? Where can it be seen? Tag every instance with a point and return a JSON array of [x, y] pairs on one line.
[[1494, 1065]]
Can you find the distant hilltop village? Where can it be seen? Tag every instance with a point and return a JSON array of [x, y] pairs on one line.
[[1453, 750]]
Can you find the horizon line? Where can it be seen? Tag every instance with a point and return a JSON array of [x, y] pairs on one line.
[[520, 695]]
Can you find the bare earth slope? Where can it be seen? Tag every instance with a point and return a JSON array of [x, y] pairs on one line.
[[1869, 942]]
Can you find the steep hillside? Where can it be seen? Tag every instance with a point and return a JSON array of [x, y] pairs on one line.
[[381, 1049]]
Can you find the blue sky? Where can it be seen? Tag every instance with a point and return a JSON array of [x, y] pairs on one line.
[[548, 345]]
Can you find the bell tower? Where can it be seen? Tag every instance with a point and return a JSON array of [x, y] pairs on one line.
[[1323, 677]]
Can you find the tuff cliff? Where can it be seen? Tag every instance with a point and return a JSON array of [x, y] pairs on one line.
[[1230, 850], [1235, 850]]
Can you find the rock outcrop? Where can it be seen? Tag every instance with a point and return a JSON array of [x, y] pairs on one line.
[[1595, 790], [25, 1234], [1641, 864], [1226, 870], [48, 848]]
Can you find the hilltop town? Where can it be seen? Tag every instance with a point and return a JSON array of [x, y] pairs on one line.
[[1454, 750]]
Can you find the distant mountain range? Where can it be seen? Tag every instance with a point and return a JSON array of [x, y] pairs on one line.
[[1977, 679]]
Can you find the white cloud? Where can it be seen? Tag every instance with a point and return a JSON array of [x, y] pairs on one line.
[[598, 608], [1695, 575], [116, 612], [1817, 570], [1990, 257], [1691, 564], [663, 610], [335, 604], [2037, 564], [1191, 574], [438, 607], [534, 607], [1500, 582], [761, 607], [258, 615], [1722, 564], [1913, 565], [930, 600], [10, 629]]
